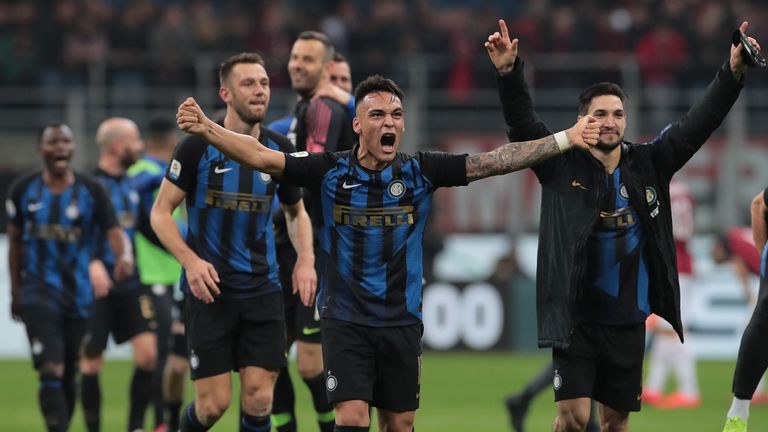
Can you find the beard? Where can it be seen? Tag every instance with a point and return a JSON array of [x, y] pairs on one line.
[[128, 159], [247, 116], [608, 147]]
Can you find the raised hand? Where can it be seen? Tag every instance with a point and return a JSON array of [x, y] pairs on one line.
[[737, 61], [190, 117], [501, 50], [585, 133]]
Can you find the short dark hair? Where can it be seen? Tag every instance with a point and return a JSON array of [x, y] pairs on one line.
[[376, 83], [328, 51], [51, 124], [160, 125], [599, 89], [339, 58], [225, 68]]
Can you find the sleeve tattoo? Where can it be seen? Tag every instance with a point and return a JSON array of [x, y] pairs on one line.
[[511, 157]]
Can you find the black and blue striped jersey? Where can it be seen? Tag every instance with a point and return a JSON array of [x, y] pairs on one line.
[[125, 200], [616, 290], [370, 226], [229, 214], [57, 235]]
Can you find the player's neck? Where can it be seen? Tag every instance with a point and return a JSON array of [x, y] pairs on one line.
[[111, 166], [234, 123], [57, 182], [163, 154], [609, 160], [367, 161]]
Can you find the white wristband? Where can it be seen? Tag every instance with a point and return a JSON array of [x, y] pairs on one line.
[[562, 141]]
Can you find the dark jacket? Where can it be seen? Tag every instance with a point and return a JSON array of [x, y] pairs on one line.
[[573, 186]]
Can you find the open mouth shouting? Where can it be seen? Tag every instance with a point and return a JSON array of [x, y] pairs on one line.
[[388, 142]]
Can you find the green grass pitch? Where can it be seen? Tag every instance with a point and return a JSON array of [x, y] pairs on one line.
[[460, 392]]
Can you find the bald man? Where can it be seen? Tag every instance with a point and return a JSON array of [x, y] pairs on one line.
[[128, 311]]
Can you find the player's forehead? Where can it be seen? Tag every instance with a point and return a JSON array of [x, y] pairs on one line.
[[341, 69], [57, 133], [609, 102], [243, 71], [308, 47], [381, 100]]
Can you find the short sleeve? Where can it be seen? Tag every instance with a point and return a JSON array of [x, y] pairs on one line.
[[13, 204], [103, 210], [443, 169], [286, 193], [307, 169], [182, 171]]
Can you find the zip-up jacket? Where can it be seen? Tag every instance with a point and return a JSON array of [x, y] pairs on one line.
[[573, 186]]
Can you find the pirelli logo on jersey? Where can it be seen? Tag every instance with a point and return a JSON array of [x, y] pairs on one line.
[[618, 219], [56, 232], [238, 201], [382, 216]]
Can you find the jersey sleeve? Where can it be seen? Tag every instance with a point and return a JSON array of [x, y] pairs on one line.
[[443, 169], [104, 212], [13, 204], [307, 169], [327, 127], [287, 193], [182, 171]]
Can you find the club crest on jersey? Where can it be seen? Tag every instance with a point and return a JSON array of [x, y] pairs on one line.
[[175, 170], [37, 347], [557, 382], [396, 188], [331, 383], [266, 178], [194, 361], [650, 195], [10, 209], [623, 192], [72, 212]]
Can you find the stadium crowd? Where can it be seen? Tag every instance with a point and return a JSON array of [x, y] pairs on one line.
[[159, 42]]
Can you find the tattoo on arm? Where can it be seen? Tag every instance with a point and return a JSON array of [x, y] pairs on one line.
[[511, 157]]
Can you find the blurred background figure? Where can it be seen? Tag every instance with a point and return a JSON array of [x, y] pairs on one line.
[[667, 354]]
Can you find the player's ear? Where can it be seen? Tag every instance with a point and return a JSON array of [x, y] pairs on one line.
[[224, 94], [356, 125]]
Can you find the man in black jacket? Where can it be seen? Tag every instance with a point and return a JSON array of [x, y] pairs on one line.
[[606, 258]]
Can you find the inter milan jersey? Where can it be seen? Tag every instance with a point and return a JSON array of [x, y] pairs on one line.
[[57, 230], [616, 290], [125, 200], [370, 230], [229, 214]]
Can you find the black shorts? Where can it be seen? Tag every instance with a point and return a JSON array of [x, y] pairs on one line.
[[301, 322], [53, 338], [124, 314], [162, 298], [178, 340], [604, 363], [380, 365], [230, 334]]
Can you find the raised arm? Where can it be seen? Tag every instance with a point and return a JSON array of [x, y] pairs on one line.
[[518, 155], [243, 149], [759, 212]]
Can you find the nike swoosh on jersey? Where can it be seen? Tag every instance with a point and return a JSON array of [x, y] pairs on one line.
[[218, 170], [578, 185], [306, 331], [350, 186]]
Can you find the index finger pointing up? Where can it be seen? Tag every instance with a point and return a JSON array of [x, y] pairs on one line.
[[504, 31]]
